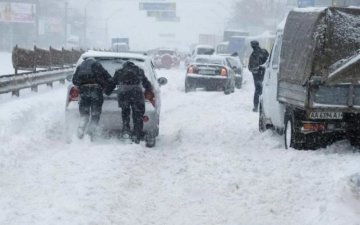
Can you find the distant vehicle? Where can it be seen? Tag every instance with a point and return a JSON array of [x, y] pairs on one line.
[[120, 47], [200, 50], [111, 114], [232, 32], [73, 42], [209, 39], [203, 50], [120, 44], [312, 94], [238, 44], [222, 48], [235, 64], [166, 58], [211, 72]]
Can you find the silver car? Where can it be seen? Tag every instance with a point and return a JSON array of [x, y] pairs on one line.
[[211, 72], [111, 113]]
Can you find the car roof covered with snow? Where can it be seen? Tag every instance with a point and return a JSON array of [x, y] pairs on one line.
[[103, 54]]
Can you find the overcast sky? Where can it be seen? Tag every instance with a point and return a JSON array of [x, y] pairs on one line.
[[124, 19]]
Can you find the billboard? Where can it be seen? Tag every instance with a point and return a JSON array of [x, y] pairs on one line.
[[17, 12], [155, 6]]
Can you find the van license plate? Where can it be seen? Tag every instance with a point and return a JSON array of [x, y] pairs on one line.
[[326, 115]]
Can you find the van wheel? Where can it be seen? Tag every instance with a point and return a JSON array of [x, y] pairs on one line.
[[238, 84], [262, 124], [292, 136], [150, 140]]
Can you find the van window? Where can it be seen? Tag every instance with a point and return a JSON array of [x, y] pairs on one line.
[[276, 52]]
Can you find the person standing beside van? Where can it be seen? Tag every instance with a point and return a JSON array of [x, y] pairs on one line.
[[257, 58]]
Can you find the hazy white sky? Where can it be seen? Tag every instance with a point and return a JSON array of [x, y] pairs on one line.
[[124, 19]]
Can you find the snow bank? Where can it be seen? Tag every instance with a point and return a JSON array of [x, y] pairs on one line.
[[6, 63]]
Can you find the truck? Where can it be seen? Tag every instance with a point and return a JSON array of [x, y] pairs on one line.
[[209, 39], [120, 44], [311, 87], [233, 32]]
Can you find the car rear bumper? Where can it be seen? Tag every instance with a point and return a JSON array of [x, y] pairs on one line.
[[110, 118], [203, 80]]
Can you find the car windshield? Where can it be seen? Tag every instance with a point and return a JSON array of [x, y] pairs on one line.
[[209, 61]]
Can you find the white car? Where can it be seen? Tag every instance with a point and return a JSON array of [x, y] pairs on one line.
[[111, 114]]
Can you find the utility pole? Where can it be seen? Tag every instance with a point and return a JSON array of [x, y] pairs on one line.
[[65, 23]]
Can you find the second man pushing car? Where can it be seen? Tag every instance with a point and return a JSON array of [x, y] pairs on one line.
[[131, 97]]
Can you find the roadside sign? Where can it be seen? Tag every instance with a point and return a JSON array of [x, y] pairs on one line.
[[306, 3], [163, 14], [156, 6]]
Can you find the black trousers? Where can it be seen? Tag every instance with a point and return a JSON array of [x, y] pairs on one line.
[[258, 79], [132, 101], [91, 101]]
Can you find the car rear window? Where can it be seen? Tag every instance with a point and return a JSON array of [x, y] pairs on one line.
[[113, 64], [205, 51], [163, 52], [210, 61]]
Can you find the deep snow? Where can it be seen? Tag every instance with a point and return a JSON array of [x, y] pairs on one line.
[[211, 166]]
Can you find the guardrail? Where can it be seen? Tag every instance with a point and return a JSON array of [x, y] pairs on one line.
[[33, 59], [14, 83], [45, 66]]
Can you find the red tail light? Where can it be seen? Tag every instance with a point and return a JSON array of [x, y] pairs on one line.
[[310, 127], [223, 72], [74, 94], [190, 69], [146, 119], [150, 96]]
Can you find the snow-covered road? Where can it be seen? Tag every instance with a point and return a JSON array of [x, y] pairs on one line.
[[211, 166]]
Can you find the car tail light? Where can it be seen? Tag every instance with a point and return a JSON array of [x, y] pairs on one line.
[[150, 96], [74, 94], [146, 119], [192, 69], [313, 127], [223, 72]]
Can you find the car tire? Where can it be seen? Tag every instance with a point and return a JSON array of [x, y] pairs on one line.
[[150, 140], [238, 83], [189, 86]]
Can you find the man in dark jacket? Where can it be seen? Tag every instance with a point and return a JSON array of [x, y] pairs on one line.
[[91, 78], [131, 97], [257, 58]]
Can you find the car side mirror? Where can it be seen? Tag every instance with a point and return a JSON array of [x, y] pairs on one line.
[[69, 77], [162, 81], [315, 81]]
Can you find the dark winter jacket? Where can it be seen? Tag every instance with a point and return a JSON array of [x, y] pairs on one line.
[[130, 75], [257, 58], [91, 72]]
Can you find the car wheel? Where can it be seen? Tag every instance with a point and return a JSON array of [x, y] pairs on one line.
[[262, 123], [292, 136], [238, 83], [150, 140], [189, 86]]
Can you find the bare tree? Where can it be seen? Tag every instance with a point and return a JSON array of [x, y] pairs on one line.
[[255, 13]]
